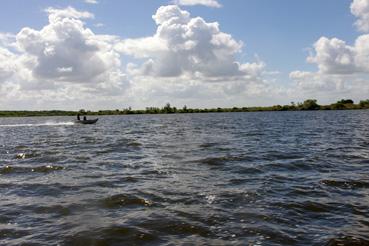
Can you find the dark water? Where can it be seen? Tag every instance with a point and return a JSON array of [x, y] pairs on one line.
[[276, 178]]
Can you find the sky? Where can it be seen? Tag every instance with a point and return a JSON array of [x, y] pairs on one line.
[[105, 54]]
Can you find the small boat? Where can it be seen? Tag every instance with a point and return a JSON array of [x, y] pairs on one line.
[[87, 121]]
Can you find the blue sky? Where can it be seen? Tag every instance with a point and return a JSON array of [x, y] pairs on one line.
[[280, 33]]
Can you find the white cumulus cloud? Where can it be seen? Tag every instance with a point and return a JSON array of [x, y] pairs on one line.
[[334, 56], [65, 50], [7, 64], [64, 61], [187, 46], [208, 3], [91, 1], [342, 68], [66, 65], [360, 8]]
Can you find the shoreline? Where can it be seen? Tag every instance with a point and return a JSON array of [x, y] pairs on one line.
[[307, 105]]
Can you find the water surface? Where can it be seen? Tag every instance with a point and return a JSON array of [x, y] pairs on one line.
[[271, 178]]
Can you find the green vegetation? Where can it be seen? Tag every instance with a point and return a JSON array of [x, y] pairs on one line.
[[310, 104], [36, 113]]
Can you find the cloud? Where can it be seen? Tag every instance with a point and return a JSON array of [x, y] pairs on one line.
[[66, 65], [328, 88], [7, 40], [360, 8], [334, 56], [362, 53], [198, 93], [99, 24], [57, 15], [208, 3], [66, 51], [7, 64], [342, 69], [189, 47], [313, 82], [190, 61], [91, 1], [64, 60]]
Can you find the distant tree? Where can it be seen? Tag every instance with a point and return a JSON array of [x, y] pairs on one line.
[[276, 107], [292, 106], [128, 110], [346, 101], [310, 104], [337, 106], [343, 104], [184, 109], [286, 107], [364, 103], [168, 109]]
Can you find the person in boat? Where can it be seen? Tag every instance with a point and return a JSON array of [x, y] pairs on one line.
[[84, 118], [78, 117]]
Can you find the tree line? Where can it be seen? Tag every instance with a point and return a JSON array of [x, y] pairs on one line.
[[309, 104]]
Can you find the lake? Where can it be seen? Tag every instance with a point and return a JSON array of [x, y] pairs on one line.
[[267, 178]]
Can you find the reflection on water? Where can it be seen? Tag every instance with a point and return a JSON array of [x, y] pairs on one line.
[[271, 178]]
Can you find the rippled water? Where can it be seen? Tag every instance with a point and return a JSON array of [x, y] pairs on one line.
[[274, 178]]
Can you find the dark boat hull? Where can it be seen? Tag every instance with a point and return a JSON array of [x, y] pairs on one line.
[[87, 122]]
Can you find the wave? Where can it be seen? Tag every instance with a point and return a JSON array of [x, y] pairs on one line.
[[38, 169], [48, 123], [120, 200]]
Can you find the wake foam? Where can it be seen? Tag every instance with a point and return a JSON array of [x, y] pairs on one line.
[[48, 123]]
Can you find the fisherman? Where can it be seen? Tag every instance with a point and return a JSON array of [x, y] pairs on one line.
[[84, 118], [78, 117]]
